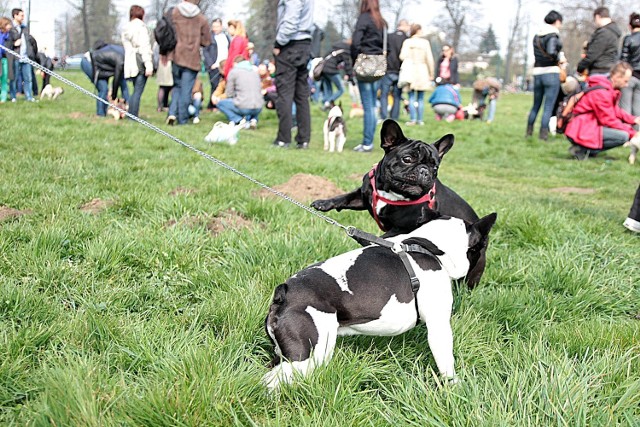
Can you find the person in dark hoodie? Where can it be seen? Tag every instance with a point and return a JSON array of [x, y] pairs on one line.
[[602, 48], [341, 57], [100, 64], [547, 50], [389, 83]]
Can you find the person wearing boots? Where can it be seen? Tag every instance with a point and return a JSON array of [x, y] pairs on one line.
[[547, 49]]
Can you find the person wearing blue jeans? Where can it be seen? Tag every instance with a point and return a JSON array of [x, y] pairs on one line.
[[25, 71], [328, 81], [389, 83], [109, 62], [416, 107], [236, 114], [547, 50], [183, 80], [368, 91]]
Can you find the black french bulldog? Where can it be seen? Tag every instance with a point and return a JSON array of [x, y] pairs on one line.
[[404, 183]]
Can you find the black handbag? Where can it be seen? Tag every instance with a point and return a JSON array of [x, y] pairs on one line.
[[369, 68], [317, 70]]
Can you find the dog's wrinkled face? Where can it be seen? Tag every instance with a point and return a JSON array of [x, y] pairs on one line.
[[409, 167]]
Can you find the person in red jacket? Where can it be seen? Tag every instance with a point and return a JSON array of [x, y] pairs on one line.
[[598, 123], [238, 46]]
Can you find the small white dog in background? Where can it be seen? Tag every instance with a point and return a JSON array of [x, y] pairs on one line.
[[335, 130], [51, 92]]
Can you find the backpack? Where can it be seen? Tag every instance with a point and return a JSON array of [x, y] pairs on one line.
[[565, 109], [165, 33]]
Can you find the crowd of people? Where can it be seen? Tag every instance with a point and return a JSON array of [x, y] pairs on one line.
[[240, 85]]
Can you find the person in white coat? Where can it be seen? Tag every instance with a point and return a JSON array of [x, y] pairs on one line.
[[138, 64], [417, 56]]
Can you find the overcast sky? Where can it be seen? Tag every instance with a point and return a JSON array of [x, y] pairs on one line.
[[44, 13]]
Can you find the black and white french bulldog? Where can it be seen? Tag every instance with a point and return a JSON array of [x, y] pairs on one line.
[[404, 182], [335, 130], [368, 291]]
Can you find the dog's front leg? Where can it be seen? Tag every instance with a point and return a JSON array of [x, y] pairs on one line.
[[351, 201], [440, 336]]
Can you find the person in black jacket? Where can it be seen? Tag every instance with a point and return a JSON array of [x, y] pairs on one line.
[[103, 62], [602, 48], [630, 99], [368, 37], [547, 49], [341, 57], [389, 83]]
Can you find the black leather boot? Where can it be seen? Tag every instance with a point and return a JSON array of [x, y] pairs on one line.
[[529, 131]]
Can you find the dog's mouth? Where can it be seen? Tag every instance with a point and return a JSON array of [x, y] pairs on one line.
[[414, 186]]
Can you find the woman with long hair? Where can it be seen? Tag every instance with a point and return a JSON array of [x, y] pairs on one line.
[[416, 52], [447, 67], [368, 37], [138, 64], [630, 99], [238, 45]]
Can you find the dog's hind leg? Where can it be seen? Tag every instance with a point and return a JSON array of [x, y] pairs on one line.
[[304, 339]]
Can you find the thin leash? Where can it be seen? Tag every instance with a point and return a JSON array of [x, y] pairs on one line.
[[179, 141], [358, 235]]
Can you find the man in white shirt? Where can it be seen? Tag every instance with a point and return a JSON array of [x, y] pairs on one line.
[[216, 52]]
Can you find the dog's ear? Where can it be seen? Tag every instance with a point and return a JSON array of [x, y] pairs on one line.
[[479, 230], [391, 135], [444, 144]]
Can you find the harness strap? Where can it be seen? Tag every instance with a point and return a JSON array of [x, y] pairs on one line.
[[402, 250]]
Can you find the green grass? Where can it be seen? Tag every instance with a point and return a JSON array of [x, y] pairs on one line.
[[121, 319]]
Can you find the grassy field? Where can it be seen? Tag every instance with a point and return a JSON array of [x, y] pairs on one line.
[[144, 313]]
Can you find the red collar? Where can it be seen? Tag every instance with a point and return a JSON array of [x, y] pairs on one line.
[[429, 198]]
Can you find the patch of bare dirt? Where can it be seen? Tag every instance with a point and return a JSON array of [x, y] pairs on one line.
[[223, 221], [95, 206], [573, 190], [181, 190], [7, 213], [304, 187], [77, 115]]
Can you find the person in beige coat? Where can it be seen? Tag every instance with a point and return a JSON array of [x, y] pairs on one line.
[[138, 64], [416, 55]]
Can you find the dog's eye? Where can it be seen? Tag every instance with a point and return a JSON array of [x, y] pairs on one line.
[[407, 159]]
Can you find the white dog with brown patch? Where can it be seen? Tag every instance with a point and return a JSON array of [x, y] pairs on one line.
[[335, 130]]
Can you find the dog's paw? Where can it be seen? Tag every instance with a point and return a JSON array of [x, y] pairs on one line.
[[322, 205]]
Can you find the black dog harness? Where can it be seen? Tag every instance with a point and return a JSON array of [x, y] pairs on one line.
[[402, 250], [429, 198]]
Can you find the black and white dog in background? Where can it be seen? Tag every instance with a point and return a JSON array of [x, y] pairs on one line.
[[368, 291], [335, 130]]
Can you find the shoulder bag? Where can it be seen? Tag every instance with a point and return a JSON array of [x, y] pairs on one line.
[[369, 68]]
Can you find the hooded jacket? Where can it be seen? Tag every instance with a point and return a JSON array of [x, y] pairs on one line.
[[602, 50], [445, 94], [192, 31], [595, 110], [546, 50]]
